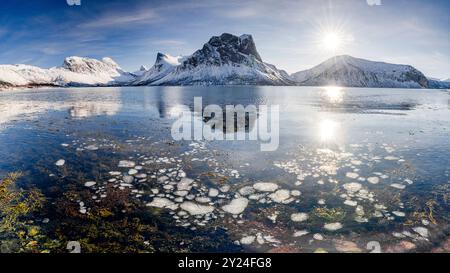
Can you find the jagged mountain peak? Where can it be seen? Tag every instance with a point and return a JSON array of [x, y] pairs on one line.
[[167, 59], [243, 44], [224, 60], [226, 49], [141, 71], [164, 64]]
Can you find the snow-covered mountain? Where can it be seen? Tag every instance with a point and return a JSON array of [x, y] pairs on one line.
[[141, 71], [353, 72], [75, 71], [164, 64], [438, 84], [224, 60]]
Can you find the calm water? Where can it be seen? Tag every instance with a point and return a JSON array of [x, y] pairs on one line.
[[354, 168]]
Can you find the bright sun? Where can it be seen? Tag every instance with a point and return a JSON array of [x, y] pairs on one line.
[[332, 41]]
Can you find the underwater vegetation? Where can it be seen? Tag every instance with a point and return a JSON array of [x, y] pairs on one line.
[[114, 225], [17, 231], [330, 215]]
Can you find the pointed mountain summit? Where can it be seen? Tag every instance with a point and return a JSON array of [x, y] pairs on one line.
[[224, 60], [164, 64]]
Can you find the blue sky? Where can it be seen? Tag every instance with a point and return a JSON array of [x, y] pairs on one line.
[[287, 33]]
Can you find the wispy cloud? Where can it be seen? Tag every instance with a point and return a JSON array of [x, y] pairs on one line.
[[122, 19], [51, 50], [286, 32], [243, 12], [168, 42]]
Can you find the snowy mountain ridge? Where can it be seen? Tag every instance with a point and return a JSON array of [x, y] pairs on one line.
[[75, 71], [353, 72], [224, 60], [164, 64]]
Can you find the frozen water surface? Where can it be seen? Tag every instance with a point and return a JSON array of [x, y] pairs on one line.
[[370, 166]]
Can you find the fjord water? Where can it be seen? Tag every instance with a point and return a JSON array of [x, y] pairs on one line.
[[354, 166]]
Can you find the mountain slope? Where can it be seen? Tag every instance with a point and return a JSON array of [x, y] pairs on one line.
[[223, 60], [141, 71], [438, 84], [75, 71], [353, 72], [164, 64]]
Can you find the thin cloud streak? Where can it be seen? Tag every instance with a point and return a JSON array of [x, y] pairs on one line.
[[122, 19]]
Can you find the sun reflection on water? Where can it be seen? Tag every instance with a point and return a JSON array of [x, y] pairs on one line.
[[328, 130], [333, 94], [176, 111]]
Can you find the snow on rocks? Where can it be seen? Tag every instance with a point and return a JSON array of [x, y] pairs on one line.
[[273, 217], [181, 193], [399, 213], [185, 184], [265, 187], [300, 233], [356, 162], [141, 176], [352, 187], [128, 179], [193, 203], [391, 158], [126, 164], [299, 217], [398, 186], [247, 240], [162, 203], [422, 231], [346, 246], [373, 180], [352, 175], [196, 209], [248, 190], [203, 199], [318, 237], [409, 181], [296, 193], [90, 184], [332, 226], [350, 203], [225, 188], [82, 209], [132, 172], [60, 163], [91, 148], [280, 196], [213, 192], [236, 206]]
